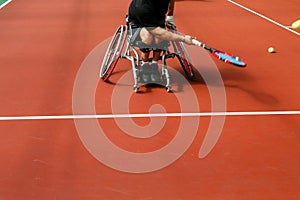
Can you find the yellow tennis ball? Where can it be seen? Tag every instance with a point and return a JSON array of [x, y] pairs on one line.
[[296, 24], [271, 50]]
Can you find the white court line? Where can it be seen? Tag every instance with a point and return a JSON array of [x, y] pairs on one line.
[[5, 3], [264, 17], [112, 116]]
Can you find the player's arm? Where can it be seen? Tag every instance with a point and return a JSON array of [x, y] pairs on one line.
[[163, 34], [170, 11]]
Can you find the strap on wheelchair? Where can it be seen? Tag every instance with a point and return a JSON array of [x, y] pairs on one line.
[[136, 40], [153, 47]]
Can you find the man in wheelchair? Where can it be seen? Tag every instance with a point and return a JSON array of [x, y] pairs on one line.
[[147, 19]]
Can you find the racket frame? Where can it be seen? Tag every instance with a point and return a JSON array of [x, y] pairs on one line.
[[234, 60]]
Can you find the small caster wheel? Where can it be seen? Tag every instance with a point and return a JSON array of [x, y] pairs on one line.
[[168, 89], [136, 89], [192, 75]]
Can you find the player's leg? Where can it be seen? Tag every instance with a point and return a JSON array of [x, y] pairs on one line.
[[147, 39], [159, 46], [154, 72]]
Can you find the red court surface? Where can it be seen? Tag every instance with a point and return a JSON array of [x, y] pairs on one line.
[[49, 62]]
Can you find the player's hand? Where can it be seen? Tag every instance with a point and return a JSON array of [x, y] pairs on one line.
[[188, 39], [170, 20]]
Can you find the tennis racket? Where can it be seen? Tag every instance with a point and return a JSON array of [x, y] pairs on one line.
[[223, 56]]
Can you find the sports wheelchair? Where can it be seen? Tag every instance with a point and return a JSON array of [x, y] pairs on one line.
[[123, 37]]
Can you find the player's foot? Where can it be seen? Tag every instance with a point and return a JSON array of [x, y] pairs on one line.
[[145, 73], [155, 75]]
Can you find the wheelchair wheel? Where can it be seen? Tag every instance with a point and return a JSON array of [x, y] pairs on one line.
[[184, 59], [182, 54], [113, 53]]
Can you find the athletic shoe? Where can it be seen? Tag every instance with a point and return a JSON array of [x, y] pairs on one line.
[[155, 74], [145, 73]]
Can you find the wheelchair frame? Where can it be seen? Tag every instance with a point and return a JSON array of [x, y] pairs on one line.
[[122, 37]]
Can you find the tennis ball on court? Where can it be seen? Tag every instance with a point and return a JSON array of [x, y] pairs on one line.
[[271, 50], [296, 24]]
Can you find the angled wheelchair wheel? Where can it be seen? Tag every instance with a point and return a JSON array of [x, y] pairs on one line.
[[181, 53], [183, 57], [113, 52]]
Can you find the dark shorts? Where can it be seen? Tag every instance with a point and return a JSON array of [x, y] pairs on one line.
[[148, 13]]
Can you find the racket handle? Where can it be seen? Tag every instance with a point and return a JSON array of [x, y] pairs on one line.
[[200, 44], [197, 43]]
